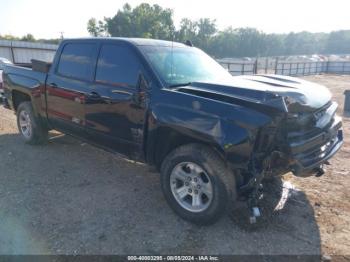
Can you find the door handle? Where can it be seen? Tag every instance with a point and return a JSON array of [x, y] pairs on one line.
[[94, 95], [53, 85], [97, 98]]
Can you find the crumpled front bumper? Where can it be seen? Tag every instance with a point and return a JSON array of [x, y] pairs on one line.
[[309, 154]]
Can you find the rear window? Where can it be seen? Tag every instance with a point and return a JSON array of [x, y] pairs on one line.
[[76, 61]]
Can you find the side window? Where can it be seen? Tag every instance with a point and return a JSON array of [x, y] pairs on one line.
[[117, 65], [76, 61]]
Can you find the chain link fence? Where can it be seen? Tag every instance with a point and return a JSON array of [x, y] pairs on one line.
[[274, 66], [20, 53]]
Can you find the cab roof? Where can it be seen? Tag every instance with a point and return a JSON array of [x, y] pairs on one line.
[[133, 41]]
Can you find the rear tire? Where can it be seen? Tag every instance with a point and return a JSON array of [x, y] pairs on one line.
[[197, 184], [29, 126]]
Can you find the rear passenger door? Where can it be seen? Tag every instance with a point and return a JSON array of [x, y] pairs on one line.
[[115, 118], [69, 85]]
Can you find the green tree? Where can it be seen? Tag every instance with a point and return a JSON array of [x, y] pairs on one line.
[[28, 37], [338, 42], [250, 42], [9, 37], [206, 31], [188, 30], [96, 28], [200, 32], [153, 21], [225, 43], [148, 21], [273, 45]]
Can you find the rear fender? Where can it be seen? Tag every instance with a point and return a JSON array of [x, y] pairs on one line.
[[25, 85]]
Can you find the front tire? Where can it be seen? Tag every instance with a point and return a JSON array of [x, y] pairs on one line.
[[29, 126], [197, 184]]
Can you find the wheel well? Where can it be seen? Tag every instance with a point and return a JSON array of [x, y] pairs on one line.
[[18, 98], [168, 139]]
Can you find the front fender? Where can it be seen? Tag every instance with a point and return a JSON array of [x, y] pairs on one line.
[[230, 128]]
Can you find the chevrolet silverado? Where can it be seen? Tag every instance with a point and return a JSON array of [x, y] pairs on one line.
[[212, 136]]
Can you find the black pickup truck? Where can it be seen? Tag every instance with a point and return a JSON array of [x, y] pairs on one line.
[[214, 137]]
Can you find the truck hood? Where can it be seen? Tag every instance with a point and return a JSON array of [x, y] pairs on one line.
[[284, 93]]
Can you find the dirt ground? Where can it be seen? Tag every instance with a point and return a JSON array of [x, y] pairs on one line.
[[68, 197], [330, 194]]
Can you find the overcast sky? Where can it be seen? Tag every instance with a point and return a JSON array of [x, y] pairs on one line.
[[47, 18]]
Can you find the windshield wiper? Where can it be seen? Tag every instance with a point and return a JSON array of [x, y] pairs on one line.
[[180, 84]]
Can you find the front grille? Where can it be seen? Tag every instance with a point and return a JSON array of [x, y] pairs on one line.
[[310, 125], [311, 137], [316, 153], [312, 146]]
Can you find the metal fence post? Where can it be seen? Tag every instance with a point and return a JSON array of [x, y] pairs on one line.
[[290, 68], [255, 67], [12, 53], [320, 67], [310, 68], [276, 66], [347, 102], [297, 73]]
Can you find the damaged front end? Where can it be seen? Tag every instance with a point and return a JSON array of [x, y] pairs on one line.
[[301, 140], [301, 144], [286, 125]]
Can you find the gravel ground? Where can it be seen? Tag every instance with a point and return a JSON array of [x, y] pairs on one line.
[[68, 197]]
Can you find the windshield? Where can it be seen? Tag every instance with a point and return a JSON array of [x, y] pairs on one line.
[[181, 65]]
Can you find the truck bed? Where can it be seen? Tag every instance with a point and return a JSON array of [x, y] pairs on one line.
[[26, 82], [13, 70]]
